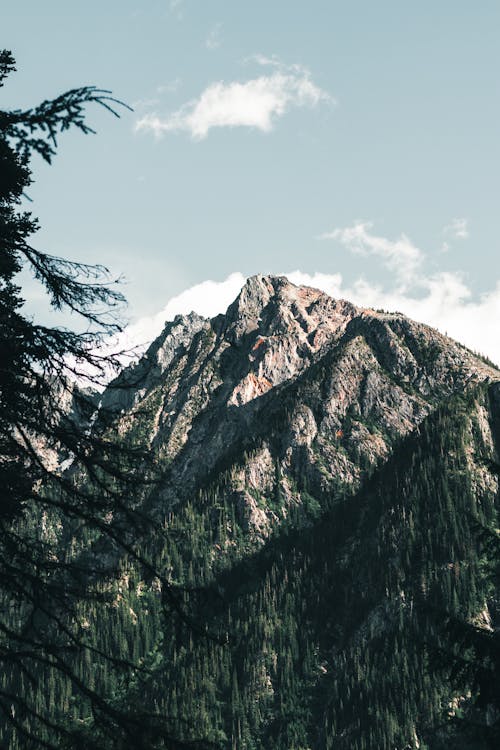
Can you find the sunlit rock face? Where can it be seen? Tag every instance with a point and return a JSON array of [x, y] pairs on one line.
[[288, 389]]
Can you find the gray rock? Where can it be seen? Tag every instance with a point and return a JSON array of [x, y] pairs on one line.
[[286, 396]]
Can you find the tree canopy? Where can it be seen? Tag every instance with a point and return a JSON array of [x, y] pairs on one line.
[[61, 464]]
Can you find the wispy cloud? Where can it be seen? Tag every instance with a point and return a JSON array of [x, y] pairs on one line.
[[140, 104], [457, 228], [213, 40], [400, 256], [256, 103], [170, 87], [175, 9]]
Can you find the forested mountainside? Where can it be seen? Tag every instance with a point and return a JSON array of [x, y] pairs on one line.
[[328, 501]]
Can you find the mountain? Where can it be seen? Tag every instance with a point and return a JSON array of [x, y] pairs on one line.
[[328, 495], [288, 389], [325, 467]]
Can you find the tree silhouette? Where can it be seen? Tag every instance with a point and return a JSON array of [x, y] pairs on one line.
[[61, 467]]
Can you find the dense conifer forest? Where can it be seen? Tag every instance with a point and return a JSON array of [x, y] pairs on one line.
[[333, 635]]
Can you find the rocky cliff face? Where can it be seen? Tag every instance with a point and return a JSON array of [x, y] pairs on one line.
[[289, 394], [329, 500]]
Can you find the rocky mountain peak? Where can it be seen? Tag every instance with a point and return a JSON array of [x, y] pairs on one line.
[[372, 441], [288, 385], [272, 305]]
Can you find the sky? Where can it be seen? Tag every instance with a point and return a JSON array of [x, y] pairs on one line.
[[351, 145]]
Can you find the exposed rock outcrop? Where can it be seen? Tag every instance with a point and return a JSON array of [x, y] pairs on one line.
[[289, 392]]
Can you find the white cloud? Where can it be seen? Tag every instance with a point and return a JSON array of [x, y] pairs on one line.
[[457, 228], [400, 256], [212, 42], [256, 103]]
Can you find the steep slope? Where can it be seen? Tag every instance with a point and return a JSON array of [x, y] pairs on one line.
[[326, 469], [311, 391], [334, 627], [328, 475]]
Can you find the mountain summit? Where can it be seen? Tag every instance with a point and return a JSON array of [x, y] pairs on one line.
[[330, 478], [343, 383], [319, 573]]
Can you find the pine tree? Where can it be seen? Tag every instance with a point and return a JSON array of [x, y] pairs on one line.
[[45, 417]]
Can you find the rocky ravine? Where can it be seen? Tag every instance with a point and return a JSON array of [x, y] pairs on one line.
[[289, 393]]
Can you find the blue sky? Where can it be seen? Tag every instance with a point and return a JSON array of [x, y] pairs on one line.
[[357, 140]]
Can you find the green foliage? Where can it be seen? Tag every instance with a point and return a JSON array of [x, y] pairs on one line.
[[325, 637]]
